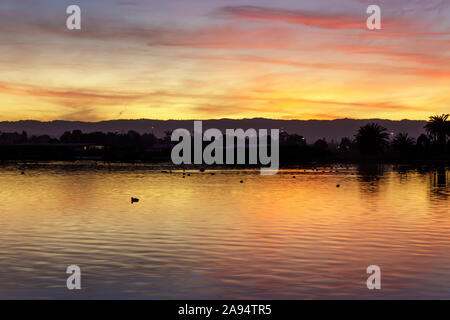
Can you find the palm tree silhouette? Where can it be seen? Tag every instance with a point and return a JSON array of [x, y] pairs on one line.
[[168, 136], [423, 141], [403, 143], [438, 127], [372, 139]]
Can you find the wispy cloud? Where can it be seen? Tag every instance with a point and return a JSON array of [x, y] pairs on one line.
[[78, 94], [319, 19], [225, 58]]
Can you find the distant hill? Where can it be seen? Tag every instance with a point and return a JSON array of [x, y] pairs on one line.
[[310, 129]]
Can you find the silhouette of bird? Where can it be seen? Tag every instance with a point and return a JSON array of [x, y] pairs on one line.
[[133, 200], [338, 186], [242, 181]]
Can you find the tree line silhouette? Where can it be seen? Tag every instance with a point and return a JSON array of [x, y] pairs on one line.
[[371, 142]]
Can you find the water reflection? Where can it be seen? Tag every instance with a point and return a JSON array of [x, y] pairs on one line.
[[209, 236], [439, 184], [440, 178], [437, 178], [370, 178]]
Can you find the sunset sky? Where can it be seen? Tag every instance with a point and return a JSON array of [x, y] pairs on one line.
[[202, 59]]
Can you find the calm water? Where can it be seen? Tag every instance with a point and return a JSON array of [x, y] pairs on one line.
[[209, 236]]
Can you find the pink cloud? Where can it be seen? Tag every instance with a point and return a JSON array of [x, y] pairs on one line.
[[312, 19]]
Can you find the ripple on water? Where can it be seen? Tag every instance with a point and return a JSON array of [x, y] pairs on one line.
[[208, 236]]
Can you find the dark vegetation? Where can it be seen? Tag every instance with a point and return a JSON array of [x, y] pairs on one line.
[[371, 143]]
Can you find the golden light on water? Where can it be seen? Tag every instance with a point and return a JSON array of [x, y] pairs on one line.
[[269, 236]]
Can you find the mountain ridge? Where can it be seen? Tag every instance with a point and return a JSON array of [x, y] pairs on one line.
[[311, 129]]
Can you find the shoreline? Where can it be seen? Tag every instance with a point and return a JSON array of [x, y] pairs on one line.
[[335, 165]]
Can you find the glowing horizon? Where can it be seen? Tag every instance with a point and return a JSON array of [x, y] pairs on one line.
[[224, 59]]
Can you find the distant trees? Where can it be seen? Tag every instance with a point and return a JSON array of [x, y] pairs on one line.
[[438, 128], [403, 144], [111, 139], [423, 142], [321, 144], [292, 139], [372, 139], [13, 138], [345, 144]]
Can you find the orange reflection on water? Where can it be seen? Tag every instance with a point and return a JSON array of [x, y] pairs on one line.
[[210, 236]]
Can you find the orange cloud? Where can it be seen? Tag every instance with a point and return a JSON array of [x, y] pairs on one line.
[[40, 92], [312, 19]]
